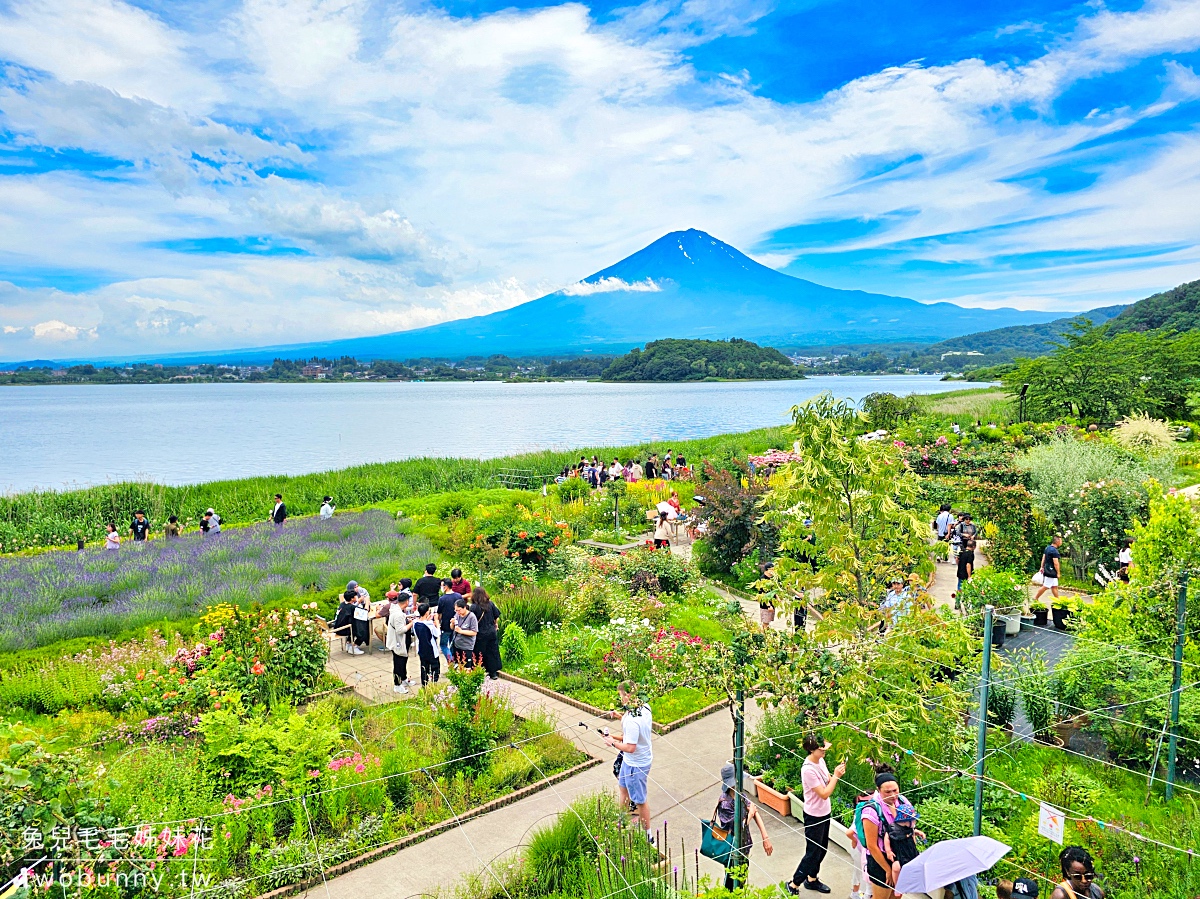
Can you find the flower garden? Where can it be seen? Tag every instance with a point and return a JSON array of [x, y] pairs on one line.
[[165, 711]]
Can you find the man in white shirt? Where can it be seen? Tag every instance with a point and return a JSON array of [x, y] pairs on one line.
[[636, 753], [943, 521], [327, 508]]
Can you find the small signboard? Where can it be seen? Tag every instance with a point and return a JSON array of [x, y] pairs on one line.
[[1050, 823]]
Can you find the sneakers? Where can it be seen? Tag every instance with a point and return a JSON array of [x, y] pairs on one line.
[[400, 688], [815, 885], [355, 651]]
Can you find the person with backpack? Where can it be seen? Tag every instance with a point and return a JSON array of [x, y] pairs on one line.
[[1079, 876], [819, 785], [890, 845], [427, 634]]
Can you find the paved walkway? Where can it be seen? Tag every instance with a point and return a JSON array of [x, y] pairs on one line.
[[683, 789]]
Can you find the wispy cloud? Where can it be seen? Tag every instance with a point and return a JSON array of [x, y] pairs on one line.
[[280, 170]]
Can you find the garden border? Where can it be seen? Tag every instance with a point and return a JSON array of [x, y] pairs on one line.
[[421, 835], [608, 715]]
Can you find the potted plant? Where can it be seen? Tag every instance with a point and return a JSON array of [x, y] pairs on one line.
[[772, 798], [1002, 706], [1041, 613], [1061, 611], [999, 628], [1012, 622]]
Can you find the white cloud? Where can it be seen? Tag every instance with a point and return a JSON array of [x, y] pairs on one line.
[[55, 331], [609, 285], [453, 166]]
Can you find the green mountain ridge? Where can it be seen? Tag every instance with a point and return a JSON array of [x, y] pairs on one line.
[[698, 360]]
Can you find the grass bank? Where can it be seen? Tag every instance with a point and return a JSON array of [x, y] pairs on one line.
[[984, 404], [59, 518]]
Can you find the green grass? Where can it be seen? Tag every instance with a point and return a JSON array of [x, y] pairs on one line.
[[968, 406]]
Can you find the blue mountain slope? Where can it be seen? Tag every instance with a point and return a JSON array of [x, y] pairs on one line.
[[685, 284]]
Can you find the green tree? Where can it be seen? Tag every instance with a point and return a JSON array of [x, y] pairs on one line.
[[860, 498]]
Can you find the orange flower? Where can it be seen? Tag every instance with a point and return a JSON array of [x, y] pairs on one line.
[[183, 680], [523, 534], [258, 668], [141, 675]]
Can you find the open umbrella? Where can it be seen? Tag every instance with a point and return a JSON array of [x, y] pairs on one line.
[[949, 861]]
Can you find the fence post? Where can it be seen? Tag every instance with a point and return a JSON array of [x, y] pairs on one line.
[[985, 680], [1176, 683], [739, 751]]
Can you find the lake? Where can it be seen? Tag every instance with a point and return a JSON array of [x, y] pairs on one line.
[[74, 436]]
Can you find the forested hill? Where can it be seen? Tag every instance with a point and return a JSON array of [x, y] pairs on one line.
[[1005, 344], [696, 360], [1177, 309]]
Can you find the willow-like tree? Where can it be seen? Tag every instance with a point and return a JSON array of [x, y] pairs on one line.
[[850, 502]]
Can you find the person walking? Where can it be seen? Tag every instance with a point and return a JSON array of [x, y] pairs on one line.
[[637, 753], [112, 540], [1079, 875], [725, 814], [327, 508], [139, 528], [279, 513], [1051, 568], [427, 635], [941, 524], [487, 641], [818, 786], [446, 604], [889, 845], [466, 629], [171, 529], [966, 562], [399, 624]]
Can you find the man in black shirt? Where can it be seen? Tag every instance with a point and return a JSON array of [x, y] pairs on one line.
[[139, 527], [445, 612], [427, 588], [279, 512]]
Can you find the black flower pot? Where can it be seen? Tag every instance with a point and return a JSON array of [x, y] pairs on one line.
[[1060, 618], [998, 634], [1041, 617]]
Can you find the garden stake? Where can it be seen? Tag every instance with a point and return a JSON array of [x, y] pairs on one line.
[[981, 743], [1176, 684]]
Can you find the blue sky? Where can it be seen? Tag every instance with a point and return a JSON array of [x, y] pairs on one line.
[[217, 173]]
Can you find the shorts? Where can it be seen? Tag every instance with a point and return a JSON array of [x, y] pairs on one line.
[[875, 873], [1049, 582], [767, 615], [634, 779]]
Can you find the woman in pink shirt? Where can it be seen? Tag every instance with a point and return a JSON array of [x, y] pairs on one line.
[[819, 785]]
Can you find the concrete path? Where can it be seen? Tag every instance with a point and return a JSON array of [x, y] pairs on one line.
[[683, 790]]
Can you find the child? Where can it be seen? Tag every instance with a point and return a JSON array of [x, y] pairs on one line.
[[860, 884], [899, 840], [428, 634]]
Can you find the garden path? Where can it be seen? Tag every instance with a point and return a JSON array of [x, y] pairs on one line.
[[683, 790]]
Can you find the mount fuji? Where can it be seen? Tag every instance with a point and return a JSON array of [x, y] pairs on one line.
[[686, 284]]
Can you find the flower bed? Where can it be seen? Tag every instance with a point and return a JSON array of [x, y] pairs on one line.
[[193, 765], [639, 616], [58, 595]]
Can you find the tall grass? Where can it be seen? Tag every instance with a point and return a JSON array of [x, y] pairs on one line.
[[984, 404], [54, 518]]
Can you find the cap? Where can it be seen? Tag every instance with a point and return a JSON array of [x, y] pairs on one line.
[[210, 511], [392, 594], [1023, 886], [727, 779]]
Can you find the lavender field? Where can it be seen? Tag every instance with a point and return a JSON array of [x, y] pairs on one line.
[[59, 595]]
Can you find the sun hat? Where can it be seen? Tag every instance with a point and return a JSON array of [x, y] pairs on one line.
[[727, 776], [352, 585]]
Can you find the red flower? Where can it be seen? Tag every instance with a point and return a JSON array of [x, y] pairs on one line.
[[258, 668]]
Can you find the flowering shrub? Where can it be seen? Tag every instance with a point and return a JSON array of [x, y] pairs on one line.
[[530, 537], [1102, 515], [993, 586], [270, 656]]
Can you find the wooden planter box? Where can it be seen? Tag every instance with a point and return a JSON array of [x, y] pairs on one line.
[[772, 798]]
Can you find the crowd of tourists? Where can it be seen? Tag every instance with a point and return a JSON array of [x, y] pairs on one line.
[[596, 473], [436, 621], [883, 834]]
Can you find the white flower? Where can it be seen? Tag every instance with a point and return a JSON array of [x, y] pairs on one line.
[[645, 622]]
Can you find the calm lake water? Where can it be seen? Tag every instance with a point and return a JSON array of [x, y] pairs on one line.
[[73, 436]]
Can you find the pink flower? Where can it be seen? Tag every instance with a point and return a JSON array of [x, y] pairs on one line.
[[953, 461]]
